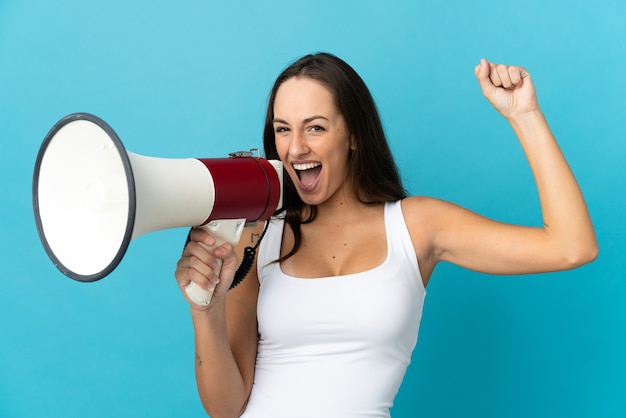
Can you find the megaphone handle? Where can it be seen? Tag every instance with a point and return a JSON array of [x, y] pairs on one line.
[[226, 230]]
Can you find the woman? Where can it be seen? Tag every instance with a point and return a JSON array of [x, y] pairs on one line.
[[326, 322]]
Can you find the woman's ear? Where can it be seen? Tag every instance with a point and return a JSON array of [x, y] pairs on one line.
[[352, 143]]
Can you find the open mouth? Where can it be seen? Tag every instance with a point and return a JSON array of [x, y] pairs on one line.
[[308, 173]]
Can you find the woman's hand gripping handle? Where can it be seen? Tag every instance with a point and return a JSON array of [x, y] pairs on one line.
[[199, 270]]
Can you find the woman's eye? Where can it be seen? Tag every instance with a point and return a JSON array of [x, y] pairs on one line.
[[280, 129], [317, 128]]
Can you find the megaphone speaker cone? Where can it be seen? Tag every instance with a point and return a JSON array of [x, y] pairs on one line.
[[84, 197]]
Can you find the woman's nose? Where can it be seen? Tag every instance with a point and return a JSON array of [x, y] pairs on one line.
[[298, 145]]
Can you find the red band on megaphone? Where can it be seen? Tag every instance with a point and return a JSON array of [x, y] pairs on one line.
[[245, 187]]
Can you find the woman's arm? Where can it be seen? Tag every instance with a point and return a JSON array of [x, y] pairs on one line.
[[225, 330], [567, 238]]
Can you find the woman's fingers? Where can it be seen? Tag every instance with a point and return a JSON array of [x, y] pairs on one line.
[[203, 254], [201, 235], [197, 265], [516, 75], [495, 75], [483, 73], [230, 261], [500, 75], [210, 266], [506, 76]]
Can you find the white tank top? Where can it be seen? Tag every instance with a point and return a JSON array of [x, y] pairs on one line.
[[336, 346]]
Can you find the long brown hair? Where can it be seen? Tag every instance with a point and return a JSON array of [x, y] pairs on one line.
[[371, 167]]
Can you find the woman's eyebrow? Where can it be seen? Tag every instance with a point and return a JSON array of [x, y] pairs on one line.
[[312, 118], [307, 120]]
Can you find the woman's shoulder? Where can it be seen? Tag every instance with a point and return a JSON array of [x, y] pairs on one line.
[[416, 204], [424, 212]]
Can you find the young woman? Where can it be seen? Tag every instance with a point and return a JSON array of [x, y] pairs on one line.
[[325, 324]]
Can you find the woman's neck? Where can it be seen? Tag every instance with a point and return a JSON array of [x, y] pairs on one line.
[[340, 208]]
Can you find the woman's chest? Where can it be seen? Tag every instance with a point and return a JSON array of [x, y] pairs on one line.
[[336, 250]]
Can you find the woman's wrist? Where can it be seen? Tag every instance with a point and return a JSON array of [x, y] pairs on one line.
[[213, 311], [530, 117]]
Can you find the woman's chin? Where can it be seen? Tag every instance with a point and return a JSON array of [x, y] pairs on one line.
[[312, 197]]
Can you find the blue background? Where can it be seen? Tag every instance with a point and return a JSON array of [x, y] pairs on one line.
[[191, 78]]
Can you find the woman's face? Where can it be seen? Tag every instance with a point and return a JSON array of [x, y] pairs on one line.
[[311, 139]]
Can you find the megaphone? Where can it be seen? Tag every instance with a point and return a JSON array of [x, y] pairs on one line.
[[91, 197]]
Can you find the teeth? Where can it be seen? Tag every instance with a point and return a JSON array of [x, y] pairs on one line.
[[306, 166]]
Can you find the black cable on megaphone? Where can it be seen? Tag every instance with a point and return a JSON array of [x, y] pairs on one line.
[[85, 182]]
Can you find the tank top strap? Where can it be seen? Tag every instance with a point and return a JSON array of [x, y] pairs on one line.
[[399, 243], [269, 249]]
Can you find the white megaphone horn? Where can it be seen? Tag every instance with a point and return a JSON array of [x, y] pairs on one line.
[[91, 197]]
